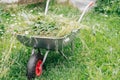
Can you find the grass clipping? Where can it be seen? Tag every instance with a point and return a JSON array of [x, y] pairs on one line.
[[48, 26]]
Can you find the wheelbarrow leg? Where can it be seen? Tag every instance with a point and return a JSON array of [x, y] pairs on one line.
[[61, 52], [33, 51], [45, 56], [72, 47]]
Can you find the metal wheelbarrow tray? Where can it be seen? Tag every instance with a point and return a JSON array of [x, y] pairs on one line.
[[48, 43]]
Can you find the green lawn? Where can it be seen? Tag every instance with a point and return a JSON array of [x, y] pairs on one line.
[[96, 54]]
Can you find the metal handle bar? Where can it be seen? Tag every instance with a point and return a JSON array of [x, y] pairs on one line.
[[46, 8], [84, 11]]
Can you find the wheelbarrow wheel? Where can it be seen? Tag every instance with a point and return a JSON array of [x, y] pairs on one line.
[[34, 67]]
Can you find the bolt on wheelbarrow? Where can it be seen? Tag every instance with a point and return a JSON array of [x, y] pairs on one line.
[[37, 60]]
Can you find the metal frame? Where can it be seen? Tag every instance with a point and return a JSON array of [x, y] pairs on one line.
[[60, 51]]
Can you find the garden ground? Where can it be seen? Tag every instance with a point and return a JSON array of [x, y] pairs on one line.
[[96, 55]]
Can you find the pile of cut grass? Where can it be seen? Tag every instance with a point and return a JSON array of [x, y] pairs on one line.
[[45, 25]]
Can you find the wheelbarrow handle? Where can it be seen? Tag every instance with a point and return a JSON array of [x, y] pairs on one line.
[[84, 11], [46, 8], [91, 3]]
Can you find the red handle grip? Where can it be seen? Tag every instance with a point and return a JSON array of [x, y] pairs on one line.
[[91, 3]]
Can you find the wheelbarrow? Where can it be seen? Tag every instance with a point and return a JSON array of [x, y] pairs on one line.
[[37, 60]]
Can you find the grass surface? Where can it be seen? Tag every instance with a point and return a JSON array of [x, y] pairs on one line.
[[96, 55]]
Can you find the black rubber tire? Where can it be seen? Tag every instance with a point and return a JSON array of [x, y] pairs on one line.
[[32, 64]]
